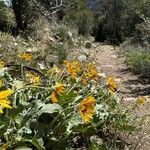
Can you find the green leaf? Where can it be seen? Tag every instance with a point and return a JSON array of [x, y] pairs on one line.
[[23, 148], [77, 98], [38, 143], [48, 108], [25, 130], [124, 126], [74, 121], [66, 98], [3, 124], [13, 113]]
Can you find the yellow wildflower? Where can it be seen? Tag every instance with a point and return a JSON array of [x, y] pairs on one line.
[[66, 62], [91, 72], [59, 88], [141, 100], [86, 108], [4, 102], [2, 64], [33, 78], [73, 68], [84, 81], [53, 97], [112, 86], [25, 56]]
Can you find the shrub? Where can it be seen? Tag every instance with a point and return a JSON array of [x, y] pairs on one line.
[[6, 17], [143, 32], [81, 19], [65, 34], [61, 52], [116, 20], [84, 22], [139, 62]]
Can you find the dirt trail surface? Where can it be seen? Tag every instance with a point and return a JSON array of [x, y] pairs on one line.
[[130, 86]]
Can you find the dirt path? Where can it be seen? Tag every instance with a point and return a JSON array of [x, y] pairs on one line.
[[130, 85]]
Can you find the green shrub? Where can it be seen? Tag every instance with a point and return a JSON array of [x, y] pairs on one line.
[[139, 62], [142, 34], [6, 17], [64, 34], [81, 19], [84, 22], [60, 52], [116, 20]]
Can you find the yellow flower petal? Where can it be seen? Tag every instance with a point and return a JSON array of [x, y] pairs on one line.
[[25, 56], [59, 88], [5, 105], [66, 62], [5, 101], [4, 94], [110, 92], [84, 81], [111, 85], [3, 147], [1, 110], [53, 97]]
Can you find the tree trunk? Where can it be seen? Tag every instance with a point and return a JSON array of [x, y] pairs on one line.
[[17, 8]]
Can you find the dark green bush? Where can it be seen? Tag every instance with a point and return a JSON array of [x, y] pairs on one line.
[[116, 20], [139, 62], [6, 17], [142, 35], [81, 18]]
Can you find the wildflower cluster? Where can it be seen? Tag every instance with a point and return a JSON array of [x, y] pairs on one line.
[[49, 107]]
